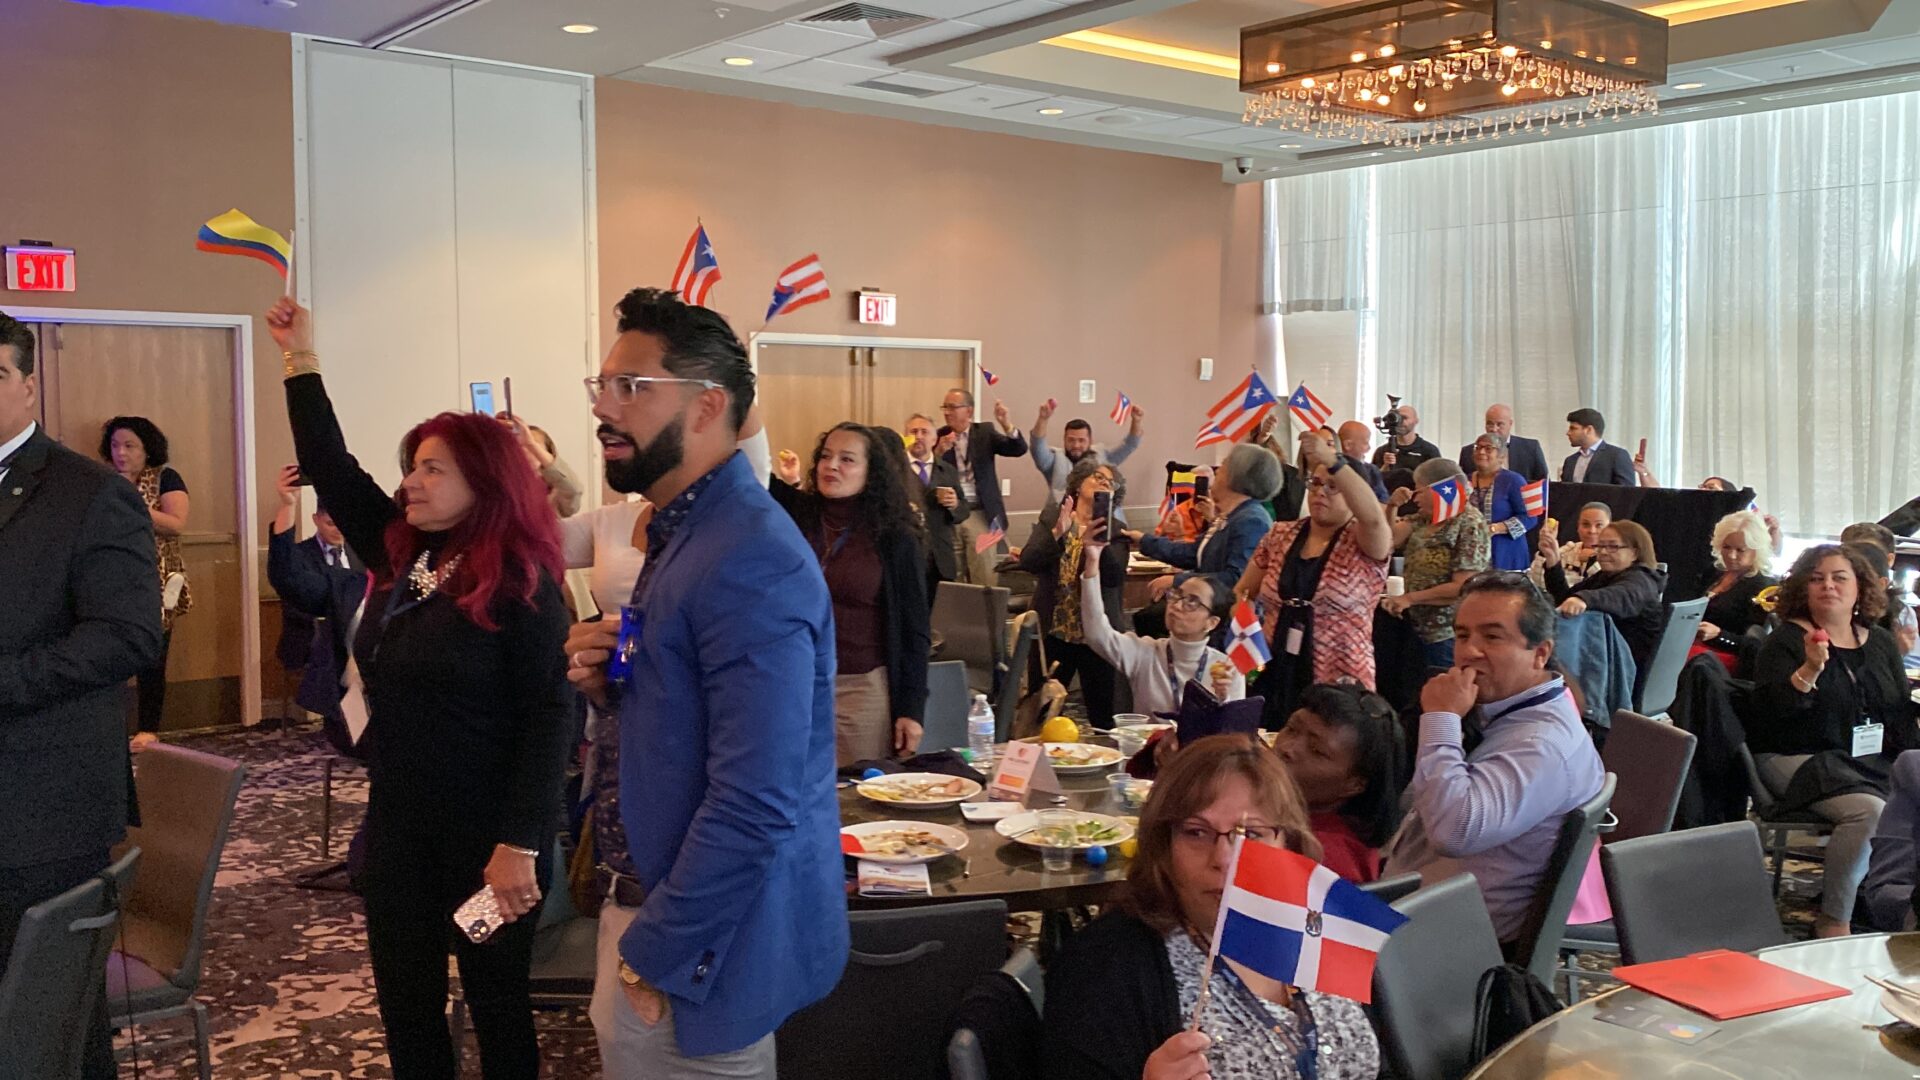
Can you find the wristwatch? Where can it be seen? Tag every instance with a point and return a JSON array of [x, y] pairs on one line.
[[628, 976], [1339, 462]]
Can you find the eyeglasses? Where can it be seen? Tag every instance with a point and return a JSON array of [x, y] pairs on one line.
[[626, 387], [1315, 483], [1606, 547], [954, 408], [1194, 834], [1188, 601]]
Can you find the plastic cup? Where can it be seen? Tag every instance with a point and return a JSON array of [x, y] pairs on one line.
[[1128, 740], [1056, 832], [1130, 719], [1117, 783], [1396, 586]]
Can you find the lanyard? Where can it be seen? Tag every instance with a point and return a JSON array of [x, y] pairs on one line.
[[839, 542], [1173, 678], [1305, 1046], [1552, 691]]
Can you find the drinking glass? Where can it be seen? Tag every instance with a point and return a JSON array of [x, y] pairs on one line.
[[1055, 829]]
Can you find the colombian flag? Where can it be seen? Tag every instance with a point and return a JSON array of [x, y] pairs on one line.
[[234, 233]]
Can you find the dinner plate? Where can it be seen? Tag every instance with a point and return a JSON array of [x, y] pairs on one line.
[[1020, 829], [897, 790], [946, 836], [1901, 1006], [1103, 758]]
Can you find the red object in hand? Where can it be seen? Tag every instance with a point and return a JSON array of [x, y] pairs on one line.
[[1821, 637]]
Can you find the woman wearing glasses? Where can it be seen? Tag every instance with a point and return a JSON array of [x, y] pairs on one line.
[[461, 653], [1316, 580], [1121, 993], [1056, 554], [1159, 669], [1627, 587]]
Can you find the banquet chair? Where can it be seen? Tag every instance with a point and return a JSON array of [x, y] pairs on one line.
[[1663, 668], [907, 969], [1022, 631], [997, 1030], [1777, 824], [1684, 892], [1427, 978], [971, 621], [1537, 948], [47, 992], [1393, 889], [186, 809], [948, 700]]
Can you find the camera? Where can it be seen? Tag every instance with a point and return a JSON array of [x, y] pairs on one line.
[[1392, 425], [1243, 165]]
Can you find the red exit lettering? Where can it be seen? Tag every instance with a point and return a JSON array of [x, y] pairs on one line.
[[40, 270]]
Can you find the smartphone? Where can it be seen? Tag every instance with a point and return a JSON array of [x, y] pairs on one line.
[[300, 480], [509, 388], [1202, 484], [1642, 455], [1102, 505], [482, 395]]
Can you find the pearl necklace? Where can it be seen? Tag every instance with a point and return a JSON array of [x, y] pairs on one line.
[[426, 582]]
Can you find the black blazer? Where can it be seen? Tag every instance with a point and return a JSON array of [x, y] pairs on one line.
[[940, 520], [82, 615], [1111, 1001], [1734, 611], [984, 443], [1524, 456], [1611, 465], [1041, 558], [1631, 598], [327, 595]]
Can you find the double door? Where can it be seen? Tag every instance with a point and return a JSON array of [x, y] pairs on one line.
[[806, 387]]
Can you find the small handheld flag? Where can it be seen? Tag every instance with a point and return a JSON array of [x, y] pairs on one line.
[[1247, 644], [1312, 413], [801, 284], [990, 377], [1210, 433], [1238, 413], [1449, 500], [1122, 409], [1535, 496], [698, 271], [1291, 919], [994, 534], [234, 233]]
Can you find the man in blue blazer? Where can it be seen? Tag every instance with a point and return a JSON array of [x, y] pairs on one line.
[[727, 787], [323, 583], [1524, 455], [1593, 460]]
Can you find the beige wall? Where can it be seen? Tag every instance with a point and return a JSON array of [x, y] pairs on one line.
[[124, 131], [1065, 262]]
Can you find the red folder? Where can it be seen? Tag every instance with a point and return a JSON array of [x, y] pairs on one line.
[[1726, 985]]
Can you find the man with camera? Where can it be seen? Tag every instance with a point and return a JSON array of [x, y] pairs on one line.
[[1404, 449]]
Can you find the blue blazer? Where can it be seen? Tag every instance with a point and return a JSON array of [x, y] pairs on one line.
[[727, 773], [1610, 465], [1509, 552], [1229, 551]]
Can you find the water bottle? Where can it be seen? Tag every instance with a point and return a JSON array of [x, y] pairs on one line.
[[980, 731]]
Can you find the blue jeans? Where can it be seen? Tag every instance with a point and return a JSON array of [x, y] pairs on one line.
[[1439, 653]]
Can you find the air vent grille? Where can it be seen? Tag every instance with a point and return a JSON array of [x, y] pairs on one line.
[[879, 21]]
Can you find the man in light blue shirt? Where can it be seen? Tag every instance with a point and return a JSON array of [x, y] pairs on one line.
[[1078, 446], [1503, 756]]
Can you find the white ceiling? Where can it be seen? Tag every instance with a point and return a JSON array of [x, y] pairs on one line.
[[979, 64]]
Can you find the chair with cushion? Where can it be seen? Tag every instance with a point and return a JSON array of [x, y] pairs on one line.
[[186, 807], [1663, 667], [1393, 889], [49, 991], [948, 700], [971, 621], [997, 1029], [1427, 978], [1685, 892], [892, 1013], [1778, 824], [1537, 948]]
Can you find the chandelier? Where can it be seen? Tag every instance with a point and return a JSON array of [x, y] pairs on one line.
[[1413, 73]]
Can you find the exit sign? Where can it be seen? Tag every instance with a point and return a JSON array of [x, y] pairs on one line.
[[40, 269], [877, 308]]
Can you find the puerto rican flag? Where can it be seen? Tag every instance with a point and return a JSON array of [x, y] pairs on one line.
[[994, 534], [698, 271], [1292, 919], [990, 377], [1449, 499], [801, 284], [1238, 413], [1535, 496], [1122, 409], [1312, 413], [1247, 643]]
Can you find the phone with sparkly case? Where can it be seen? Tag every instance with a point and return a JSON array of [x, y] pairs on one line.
[[479, 918]]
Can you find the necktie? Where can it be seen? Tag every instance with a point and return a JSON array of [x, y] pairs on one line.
[[922, 466], [333, 554]]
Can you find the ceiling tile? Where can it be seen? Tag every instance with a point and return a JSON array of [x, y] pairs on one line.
[[982, 98], [1069, 107], [1184, 126], [918, 81], [1235, 136], [1879, 53], [713, 58], [798, 40], [941, 9], [878, 51], [1117, 120], [1014, 12], [828, 73], [1792, 68]]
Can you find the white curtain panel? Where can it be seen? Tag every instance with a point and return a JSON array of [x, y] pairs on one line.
[[1744, 293]]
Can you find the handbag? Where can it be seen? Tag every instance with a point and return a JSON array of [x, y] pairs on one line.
[[1509, 1000]]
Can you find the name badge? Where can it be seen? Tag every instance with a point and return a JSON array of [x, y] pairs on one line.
[[1295, 639], [1867, 739], [620, 664]]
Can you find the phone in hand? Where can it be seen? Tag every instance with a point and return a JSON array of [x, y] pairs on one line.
[[481, 394], [300, 479], [1642, 455], [509, 387], [1102, 505], [1202, 486]]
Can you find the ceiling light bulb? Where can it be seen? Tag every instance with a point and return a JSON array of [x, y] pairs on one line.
[[1420, 105], [1397, 70], [1509, 51], [1307, 83], [1546, 44], [581, 28], [1688, 86], [738, 61], [1289, 146], [1051, 111], [1509, 90], [1273, 68], [1384, 99], [1386, 51], [1358, 58]]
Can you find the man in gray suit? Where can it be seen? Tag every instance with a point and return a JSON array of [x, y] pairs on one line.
[[1524, 455], [83, 615]]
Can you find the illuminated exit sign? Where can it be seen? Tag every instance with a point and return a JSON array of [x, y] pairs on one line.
[[40, 269]]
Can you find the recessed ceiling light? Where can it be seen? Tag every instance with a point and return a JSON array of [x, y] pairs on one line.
[[581, 28], [1289, 146], [1688, 86], [281, 3], [738, 61], [1051, 112]]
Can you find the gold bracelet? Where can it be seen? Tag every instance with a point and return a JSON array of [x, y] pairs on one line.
[[289, 354]]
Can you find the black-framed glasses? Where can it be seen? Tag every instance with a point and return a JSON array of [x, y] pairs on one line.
[[1178, 599], [1606, 547], [625, 387]]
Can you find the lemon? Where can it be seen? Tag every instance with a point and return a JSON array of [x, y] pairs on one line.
[[1060, 729], [1129, 847]]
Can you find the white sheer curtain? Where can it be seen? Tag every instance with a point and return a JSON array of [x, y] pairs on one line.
[[1744, 293]]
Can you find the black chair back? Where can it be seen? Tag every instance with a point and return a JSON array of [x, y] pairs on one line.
[[1663, 668], [1006, 695], [892, 1013], [998, 1033], [1683, 892], [1651, 759], [1393, 889], [1425, 980], [1538, 947], [972, 623], [948, 700], [53, 979]]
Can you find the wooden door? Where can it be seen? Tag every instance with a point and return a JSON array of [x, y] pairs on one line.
[[806, 389], [904, 381], [181, 378]]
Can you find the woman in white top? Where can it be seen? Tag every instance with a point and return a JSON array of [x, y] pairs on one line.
[[1160, 668], [1577, 558]]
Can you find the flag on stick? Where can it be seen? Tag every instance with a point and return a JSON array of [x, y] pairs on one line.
[[234, 233]]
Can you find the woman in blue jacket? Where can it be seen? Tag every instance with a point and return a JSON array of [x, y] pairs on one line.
[[1496, 494]]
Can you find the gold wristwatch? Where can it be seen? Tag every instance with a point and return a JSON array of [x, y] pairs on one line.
[[628, 976]]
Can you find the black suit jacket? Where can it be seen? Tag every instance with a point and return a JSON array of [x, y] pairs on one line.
[[940, 520], [984, 442], [327, 595], [1524, 456], [1611, 465], [82, 615]]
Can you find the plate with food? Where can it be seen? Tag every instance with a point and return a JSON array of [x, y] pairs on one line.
[[921, 790], [901, 843], [1089, 830], [1070, 759]]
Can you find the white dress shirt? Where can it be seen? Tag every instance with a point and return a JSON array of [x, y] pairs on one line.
[[7, 448]]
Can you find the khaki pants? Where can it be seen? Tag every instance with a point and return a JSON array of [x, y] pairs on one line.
[[976, 568], [862, 718]]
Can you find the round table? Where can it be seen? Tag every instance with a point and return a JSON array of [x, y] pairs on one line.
[[991, 867], [1845, 1037]]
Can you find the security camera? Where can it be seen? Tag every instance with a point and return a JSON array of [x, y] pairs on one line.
[[1243, 165]]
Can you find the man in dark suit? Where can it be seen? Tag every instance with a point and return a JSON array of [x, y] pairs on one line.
[[970, 448], [320, 580], [939, 496], [1524, 455], [82, 616], [1593, 460]]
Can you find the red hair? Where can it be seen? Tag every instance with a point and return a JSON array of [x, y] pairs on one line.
[[509, 537]]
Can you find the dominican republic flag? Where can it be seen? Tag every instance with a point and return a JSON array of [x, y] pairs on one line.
[[1122, 410], [995, 533], [1449, 499], [1312, 413], [1237, 413], [1535, 496], [698, 271], [1292, 919], [990, 377], [801, 284], [1247, 643]]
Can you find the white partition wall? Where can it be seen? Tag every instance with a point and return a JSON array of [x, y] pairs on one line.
[[445, 211]]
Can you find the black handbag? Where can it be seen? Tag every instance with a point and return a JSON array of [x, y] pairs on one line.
[[1508, 1001]]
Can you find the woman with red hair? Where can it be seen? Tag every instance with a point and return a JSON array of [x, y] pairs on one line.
[[461, 650]]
